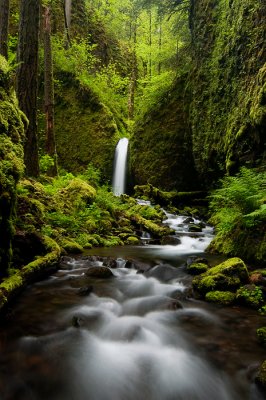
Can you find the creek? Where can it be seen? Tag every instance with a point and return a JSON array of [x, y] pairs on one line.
[[137, 335]]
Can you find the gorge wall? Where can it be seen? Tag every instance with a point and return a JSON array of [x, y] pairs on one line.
[[224, 99], [228, 85]]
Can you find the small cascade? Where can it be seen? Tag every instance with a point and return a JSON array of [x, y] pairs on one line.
[[120, 167]]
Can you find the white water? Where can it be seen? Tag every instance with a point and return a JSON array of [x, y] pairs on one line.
[[120, 167]]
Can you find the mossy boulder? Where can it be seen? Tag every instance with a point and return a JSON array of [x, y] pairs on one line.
[[78, 191], [197, 268], [70, 246], [261, 334], [250, 296], [220, 297], [132, 240], [227, 276]]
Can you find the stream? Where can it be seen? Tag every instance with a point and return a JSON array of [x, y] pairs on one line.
[[137, 335]]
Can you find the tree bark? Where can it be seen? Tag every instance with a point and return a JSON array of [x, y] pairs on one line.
[[49, 91], [133, 77], [27, 79], [4, 20]]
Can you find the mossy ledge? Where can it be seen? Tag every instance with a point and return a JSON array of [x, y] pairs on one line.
[[35, 270]]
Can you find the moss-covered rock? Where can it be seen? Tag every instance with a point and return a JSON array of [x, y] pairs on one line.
[[11, 162], [78, 191], [227, 276], [132, 240], [196, 268], [220, 297], [70, 246], [261, 334], [250, 296]]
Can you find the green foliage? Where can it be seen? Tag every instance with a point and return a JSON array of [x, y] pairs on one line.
[[46, 162], [238, 212]]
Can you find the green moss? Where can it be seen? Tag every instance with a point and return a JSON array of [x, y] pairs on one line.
[[11, 162], [132, 240], [250, 296], [261, 377], [10, 284], [87, 132], [228, 85], [227, 276], [70, 246], [220, 297], [156, 230], [261, 334], [196, 268]]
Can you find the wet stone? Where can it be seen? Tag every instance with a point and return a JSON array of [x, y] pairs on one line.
[[99, 272], [85, 291]]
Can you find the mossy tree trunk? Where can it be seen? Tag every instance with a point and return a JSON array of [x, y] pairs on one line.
[[27, 78], [134, 67], [4, 18], [49, 91]]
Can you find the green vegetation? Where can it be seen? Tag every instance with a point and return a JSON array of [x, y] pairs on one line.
[[221, 298], [239, 213]]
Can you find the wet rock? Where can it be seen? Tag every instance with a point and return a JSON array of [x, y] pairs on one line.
[[257, 279], [188, 220], [195, 228], [163, 272], [227, 276], [85, 291], [129, 264], [195, 259], [110, 263], [172, 240], [99, 272]]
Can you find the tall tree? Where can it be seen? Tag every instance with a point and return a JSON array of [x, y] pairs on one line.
[[27, 79], [4, 18], [49, 90]]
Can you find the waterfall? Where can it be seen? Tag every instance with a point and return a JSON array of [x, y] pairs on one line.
[[120, 167]]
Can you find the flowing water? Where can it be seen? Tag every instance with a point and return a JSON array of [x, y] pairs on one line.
[[120, 167], [138, 335]]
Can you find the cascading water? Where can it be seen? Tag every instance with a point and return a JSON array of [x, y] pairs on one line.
[[137, 335], [120, 167]]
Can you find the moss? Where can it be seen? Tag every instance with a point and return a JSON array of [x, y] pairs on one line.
[[261, 377], [250, 296], [227, 83], [12, 283], [156, 230], [11, 162], [132, 240], [261, 334], [220, 297], [161, 143], [70, 246], [78, 191], [196, 268], [227, 276], [87, 132]]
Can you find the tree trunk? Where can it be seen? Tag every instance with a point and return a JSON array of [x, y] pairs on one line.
[[150, 41], [160, 46], [4, 18], [49, 91], [27, 79], [133, 77]]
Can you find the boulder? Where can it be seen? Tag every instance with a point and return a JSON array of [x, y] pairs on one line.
[[172, 240], [227, 276], [197, 268], [221, 298], [261, 334], [99, 272], [261, 377]]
